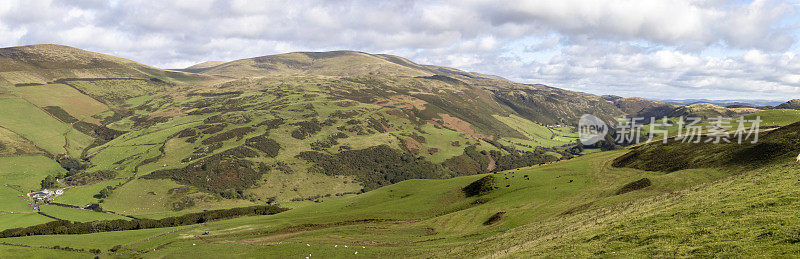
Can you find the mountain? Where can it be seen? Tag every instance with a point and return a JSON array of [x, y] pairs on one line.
[[344, 153], [793, 104], [639, 107], [202, 66], [707, 110], [283, 128], [742, 102], [41, 64]]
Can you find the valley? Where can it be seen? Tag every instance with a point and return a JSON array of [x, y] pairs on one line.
[[370, 155]]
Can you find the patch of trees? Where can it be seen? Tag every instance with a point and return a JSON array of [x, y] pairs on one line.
[[214, 119], [470, 163], [60, 113], [90, 178], [264, 144], [480, 187], [306, 129], [104, 193], [375, 166], [49, 182], [239, 152], [63, 227], [144, 121], [328, 142], [71, 164], [212, 128], [190, 132], [117, 115], [27, 84], [521, 159], [271, 124], [238, 133], [102, 133], [516, 158], [217, 173]]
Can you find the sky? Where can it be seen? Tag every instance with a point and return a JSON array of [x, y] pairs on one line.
[[658, 49]]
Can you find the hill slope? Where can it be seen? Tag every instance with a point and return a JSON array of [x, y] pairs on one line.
[[40, 64], [374, 153], [793, 104], [289, 128]]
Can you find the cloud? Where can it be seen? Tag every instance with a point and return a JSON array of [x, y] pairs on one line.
[[634, 47]]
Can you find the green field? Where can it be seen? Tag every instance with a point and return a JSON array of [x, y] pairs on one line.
[[778, 117], [84, 195], [27, 172], [76, 215], [103, 241], [11, 202], [538, 135], [421, 217], [20, 220], [28, 252], [34, 124], [71, 100]]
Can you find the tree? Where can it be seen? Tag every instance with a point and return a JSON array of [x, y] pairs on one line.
[[49, 182], [104, 193]]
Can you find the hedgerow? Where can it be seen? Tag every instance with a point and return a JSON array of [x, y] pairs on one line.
[[63, 227]]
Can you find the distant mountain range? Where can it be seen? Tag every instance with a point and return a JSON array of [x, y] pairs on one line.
[[724, 103]]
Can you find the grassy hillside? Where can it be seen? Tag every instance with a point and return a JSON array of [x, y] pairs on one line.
[[707, 110], [547, 210], [792, 104], [372, 152], [291, 128], [39, 64]]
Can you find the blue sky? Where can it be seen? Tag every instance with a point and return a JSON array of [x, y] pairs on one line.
[[635, 48]]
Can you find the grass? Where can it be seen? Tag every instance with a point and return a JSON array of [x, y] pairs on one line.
[[420, 217], [102, 241], [745, 215], [117, 89], [33, 124], [13, 144], [778, 117], [538, 135], [449, 220], [156, 198], [74, 102], [19, 220], [11, 202], [566, 208], [84, 195], [27, 172], [28, 252], [77, 215]]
